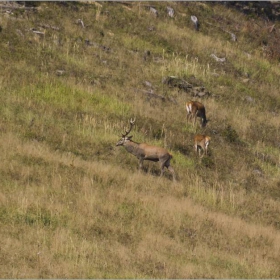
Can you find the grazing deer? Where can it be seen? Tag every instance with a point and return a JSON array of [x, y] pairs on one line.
[[201, 142], [196, 109], [146, 152]]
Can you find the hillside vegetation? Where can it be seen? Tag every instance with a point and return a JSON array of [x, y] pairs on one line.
[[73, 205]]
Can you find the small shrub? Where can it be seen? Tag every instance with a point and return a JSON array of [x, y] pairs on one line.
[[230, 134], [207, 162]]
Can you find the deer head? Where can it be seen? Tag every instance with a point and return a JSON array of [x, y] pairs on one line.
[[125, 136]]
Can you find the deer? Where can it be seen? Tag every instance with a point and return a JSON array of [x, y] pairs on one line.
[[201, 142], [144, 151], [196, 109]]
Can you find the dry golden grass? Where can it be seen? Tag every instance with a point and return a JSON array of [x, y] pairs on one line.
[[160, 223]]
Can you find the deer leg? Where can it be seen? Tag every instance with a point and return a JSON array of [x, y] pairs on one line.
[[192, 120], [206, 148], [141, 163], [170, 168], [201, 124], [188, 116], [195, 117], [196, 148], [203, 152], [162, 164], [199, 151]]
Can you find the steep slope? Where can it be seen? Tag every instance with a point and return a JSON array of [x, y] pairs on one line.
[[74, 205]]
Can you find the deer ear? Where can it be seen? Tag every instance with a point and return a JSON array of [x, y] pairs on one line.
[[129, 137]]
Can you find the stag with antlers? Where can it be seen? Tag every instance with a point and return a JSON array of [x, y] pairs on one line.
[[144, 151]]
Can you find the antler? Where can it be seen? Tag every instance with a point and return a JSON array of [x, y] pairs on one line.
[[131, 125]]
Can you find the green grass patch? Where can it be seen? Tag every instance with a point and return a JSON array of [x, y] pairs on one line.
[[68, 98], [182, 160], [32, 216]]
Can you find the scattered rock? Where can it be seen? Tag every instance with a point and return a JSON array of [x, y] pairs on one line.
[[233, 37], [148, 84], [249, 99], [200, 92], [195, 91], [217, 58], [170, 11], [257, 172], [204, 94], [195, 22], [60, 72], [79, 21], [174, 81], [154, 11], [245, 81]]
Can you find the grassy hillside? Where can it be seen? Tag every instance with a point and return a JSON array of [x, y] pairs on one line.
[[73, 205]]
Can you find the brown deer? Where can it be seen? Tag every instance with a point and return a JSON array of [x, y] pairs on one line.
[[196, 109], [201, 142], [144, 151]]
